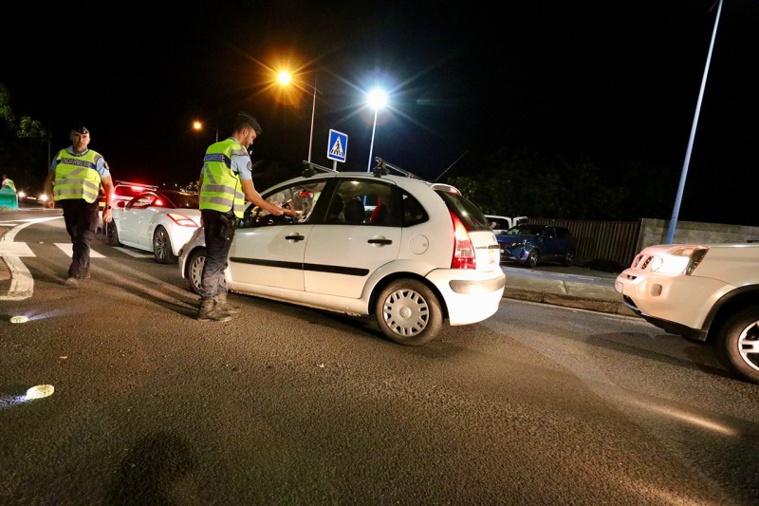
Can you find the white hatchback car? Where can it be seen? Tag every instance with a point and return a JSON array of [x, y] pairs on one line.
[[410, 252], [159, 221], [706, 292]]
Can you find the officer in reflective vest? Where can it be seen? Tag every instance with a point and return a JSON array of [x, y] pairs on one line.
[[8, 183], [74, 182], [225, 181]]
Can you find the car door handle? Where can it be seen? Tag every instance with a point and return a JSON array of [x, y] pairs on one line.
[[294, 237], [384, 242]]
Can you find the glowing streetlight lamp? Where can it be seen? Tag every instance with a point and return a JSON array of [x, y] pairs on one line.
[[377, 99], [198, 125], [285, 78]]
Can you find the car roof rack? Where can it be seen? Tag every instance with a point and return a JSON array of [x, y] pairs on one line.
[[312, 168], [383, 168]]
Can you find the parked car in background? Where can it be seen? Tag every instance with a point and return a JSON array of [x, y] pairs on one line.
[[409, 252], [532, 244], [160, 221], [704, 292], [500, 224]]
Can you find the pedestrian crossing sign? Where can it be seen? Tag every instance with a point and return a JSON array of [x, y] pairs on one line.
[[337, 148]]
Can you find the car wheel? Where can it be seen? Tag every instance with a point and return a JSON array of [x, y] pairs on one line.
[[408, 312], [569, 259], [111, 234], [162, 247], [738, 343], [533, 258], [194, 269]]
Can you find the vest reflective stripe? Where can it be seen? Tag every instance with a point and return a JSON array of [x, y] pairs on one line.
[[10, 184], [76, 177], [221, 190]]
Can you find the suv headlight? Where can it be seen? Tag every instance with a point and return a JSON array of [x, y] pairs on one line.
[[679, 260]]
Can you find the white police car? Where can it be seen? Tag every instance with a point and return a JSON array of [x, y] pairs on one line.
[[412, 253]]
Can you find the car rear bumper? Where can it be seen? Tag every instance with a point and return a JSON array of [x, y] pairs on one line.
[[470, 296]]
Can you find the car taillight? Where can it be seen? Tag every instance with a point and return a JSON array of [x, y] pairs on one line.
[[182, 220], [463, 249]]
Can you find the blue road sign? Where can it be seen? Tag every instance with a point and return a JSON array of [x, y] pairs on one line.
[[337, 147]]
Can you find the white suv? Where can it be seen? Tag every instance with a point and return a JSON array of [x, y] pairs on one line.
[[410, 252], [706, 293]]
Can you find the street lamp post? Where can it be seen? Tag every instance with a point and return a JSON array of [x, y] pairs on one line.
[[285, 78], [376, 99], [684, 174], [313, 113], [198, 125]]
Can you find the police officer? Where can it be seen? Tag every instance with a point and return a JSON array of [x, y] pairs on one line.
[[8, 183], [225, 181], [74, 181]]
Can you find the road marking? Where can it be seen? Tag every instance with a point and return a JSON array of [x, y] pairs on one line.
[[133, 253], [16, 249], [68, 248], [22, 282]]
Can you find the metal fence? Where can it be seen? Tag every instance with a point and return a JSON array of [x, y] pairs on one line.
[[609, 243]]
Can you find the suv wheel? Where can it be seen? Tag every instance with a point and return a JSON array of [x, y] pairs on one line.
[[162, 247], [409, 313], [569, 259], [195, 264], [738, 343], [532, 258]]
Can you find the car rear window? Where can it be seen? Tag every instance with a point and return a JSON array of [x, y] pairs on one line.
[[186, 200], [469, 214]]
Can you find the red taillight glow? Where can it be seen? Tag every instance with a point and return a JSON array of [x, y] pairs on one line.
[[463, 249], [182, 220]]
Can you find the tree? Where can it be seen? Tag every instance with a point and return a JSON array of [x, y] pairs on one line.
[[23, 146]]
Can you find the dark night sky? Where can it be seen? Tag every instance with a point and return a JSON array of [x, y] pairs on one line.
[[610, 80]]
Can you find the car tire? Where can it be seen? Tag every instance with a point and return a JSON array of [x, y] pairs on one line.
[[533, 258], [112, 234], [408, 312], [194, 269], [569, 259], [738, 343], [162, 248]]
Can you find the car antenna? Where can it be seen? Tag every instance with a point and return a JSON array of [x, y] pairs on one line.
[[451, 165]]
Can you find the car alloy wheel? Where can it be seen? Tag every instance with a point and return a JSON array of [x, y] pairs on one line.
[[162, 247], [195, 265], [111, 234], [408, 312]]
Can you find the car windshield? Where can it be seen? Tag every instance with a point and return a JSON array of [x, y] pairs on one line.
[[524, 230]]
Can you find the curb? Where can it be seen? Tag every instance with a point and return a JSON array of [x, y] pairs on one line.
[[617, 308]]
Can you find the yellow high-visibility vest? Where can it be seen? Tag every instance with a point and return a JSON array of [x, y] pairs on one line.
[[76, 176], [221, 189]]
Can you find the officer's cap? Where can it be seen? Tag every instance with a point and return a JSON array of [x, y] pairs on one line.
[[248, 119], [80, 129]]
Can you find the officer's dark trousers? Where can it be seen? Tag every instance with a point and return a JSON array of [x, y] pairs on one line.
[[217, 254], [81, 220]]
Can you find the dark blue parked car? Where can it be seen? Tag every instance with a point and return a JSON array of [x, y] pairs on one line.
[[530, 244]]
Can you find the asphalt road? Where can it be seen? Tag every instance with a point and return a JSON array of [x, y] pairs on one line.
[[286, 405]]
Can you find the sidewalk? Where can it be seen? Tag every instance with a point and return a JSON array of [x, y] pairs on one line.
[[575, 287]]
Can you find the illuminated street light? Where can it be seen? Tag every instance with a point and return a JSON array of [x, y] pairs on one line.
[[376, 99], [285, 78], [198, 125]]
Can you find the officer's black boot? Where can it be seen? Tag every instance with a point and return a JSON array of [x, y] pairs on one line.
[[207, 311], [223, 306]]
